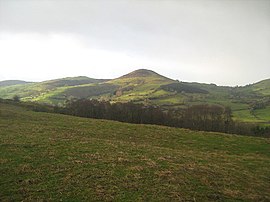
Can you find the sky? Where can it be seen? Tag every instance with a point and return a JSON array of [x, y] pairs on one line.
[[226, 42]]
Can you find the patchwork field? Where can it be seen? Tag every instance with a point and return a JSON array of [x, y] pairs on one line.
[[56, 157]]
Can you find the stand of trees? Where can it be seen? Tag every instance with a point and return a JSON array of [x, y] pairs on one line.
[[197, 117], [124, 112], [207, 117]]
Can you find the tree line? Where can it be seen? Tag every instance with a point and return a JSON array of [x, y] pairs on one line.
[[197, 117], [203, 117]]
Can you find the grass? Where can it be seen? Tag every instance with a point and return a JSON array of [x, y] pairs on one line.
[[46, 91], [263, 114], [171, 99], [56, 157], [54, 97], [245, 116], [263, 87]]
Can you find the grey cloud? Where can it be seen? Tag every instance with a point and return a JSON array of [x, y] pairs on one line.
[[180, 31]]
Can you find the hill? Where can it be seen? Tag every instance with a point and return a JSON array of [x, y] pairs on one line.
[[143, 73], [71, 81], [40, 91], [56, 157], [249, 103], [262, 87], [12, 82], [138, 85]]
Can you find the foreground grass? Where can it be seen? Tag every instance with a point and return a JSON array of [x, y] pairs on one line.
[[57, 157]]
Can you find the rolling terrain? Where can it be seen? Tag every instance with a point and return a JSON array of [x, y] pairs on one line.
[[249, 103], [56, 157], [47, 91], [12, 82]]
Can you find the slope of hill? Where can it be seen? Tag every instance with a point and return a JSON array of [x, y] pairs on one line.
[[262, 87], [12, 82], [135, 86], [56, 157], [70, 81], [139, 73], [39, 91], [249, 103], [139, 85]]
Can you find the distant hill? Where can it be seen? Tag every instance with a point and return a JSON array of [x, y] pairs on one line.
[[12, 82], [41, 90], [141, 76], [71, 81], [250, 103], [182, 88], [262, 87], [142, 73], [138, 85]]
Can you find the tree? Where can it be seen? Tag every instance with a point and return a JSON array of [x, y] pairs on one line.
[[16, 98]]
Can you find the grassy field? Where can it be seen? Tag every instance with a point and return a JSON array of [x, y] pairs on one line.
[[56, 157], [245, 116], [263, 114]]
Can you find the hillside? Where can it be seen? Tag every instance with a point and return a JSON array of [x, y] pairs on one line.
[[12, 82], [249, 103], [135, 86], [138, 85], [142, 73], [56, 157], [262, 87], [41, 91]]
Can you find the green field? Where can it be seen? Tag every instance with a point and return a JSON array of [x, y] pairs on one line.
[[263, 114], [245, 115], [55, 157]]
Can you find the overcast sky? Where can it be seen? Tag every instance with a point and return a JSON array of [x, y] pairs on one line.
[[226, 42]]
